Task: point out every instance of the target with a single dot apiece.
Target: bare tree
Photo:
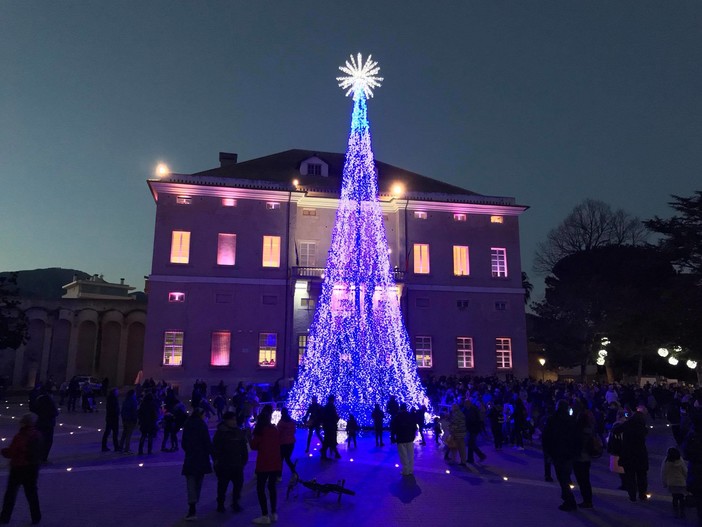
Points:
(590, 224)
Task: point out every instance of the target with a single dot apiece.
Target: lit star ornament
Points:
(360, 77)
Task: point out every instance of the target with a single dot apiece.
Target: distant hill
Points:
(45, 283)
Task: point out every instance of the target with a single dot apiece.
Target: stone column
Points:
(72, 348)
(122, 355)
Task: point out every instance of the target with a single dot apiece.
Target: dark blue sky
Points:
(549, 102)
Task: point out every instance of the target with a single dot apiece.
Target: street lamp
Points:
(673, 361)
(663, 352)
(692, 364)
(542, 361)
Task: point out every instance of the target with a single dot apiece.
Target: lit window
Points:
(184, 200)
(267, 347)
(173, 348)
(309, 212)
(420, 215)
(272, 205)
(228, 202)
(464, 352)
(422, 350)
(307, 303)
(314, 169)
(459, 217)
(503, 349)
(499, 262)
(421, 258)
(226, 249)
(461, 265)
(221, 345)
(176, 296)
(180, 247)
(307, 253)
(271, 251)
(496, 219)
(301, 347)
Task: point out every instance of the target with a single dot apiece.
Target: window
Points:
(420, 215)
(421, 258)
(461, 265)
(270, 300)
(176, 296)
(462, 304)
(180, 247)
(499, 262)
(503, 349)
(309, 212)
(271, 251)
(307, 303)
(173, 348)
(184, 200)
(267, 347)
(422, 349)
(496, 219)
(301, 347)
(460, 217)
(226, 249)
(500, 306)
(228, 202)
(307, 254)
(422, 302)
(272, 205)
(314, 169)
(221, 345)
(464, 352)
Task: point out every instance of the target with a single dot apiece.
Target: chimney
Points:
(121, 281)
(226, 159)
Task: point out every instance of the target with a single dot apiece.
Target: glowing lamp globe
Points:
(602, 353)
(162, 170)
(673, 361)
(600, 361)
(663, 352)
(692, 364)
(397, 189)
(542, 361)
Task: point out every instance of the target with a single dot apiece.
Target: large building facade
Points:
(240, 251)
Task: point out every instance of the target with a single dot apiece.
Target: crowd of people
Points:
(576, 423)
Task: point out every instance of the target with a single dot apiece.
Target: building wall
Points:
(225, 298)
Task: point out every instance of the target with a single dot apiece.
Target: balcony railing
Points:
(318, 272)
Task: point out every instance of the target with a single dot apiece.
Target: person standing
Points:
(198, 449)
(634, 455)
(73, 394)
(269, 465)
(378, 416)
(230, 454)
(692, 452)
(330, 420)
(560, 444)
(458, 434)
(674, 475)
(24, 453)
(585, 429)
(129, 420)
(352, 428)
(286, 427)
(313, 420)
(47, 411)
(148, 419)
(473, 427)
(111, 420)
(403, 429)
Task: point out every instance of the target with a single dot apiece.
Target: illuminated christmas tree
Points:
(358, 348)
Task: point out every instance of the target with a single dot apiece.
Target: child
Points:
(674, 473)
(437, 430)
(351, 431)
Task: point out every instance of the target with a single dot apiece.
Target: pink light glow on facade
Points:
(219, 351)
(226, 249)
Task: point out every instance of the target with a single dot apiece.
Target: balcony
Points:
(318, 273)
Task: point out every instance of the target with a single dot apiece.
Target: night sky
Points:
(549, 102)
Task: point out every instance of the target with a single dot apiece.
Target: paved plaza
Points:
(84, 486)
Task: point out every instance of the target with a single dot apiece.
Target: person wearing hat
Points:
(230, 453)
(24, 454)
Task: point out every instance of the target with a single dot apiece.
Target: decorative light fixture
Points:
(397, 189)
(542, 361)
(162, 170)
(692, 364)
(602, 353)
(600, 361)
(663, 352)
(672, 361)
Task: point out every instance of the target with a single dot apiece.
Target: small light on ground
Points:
(571, 486)
(60, 424)
(80, 427)
(448, 471)
(397, 466)
(648, 496)
(71, 433)
(69, 469)
(99, 429)
(310, 455)
(3, 439)
(505, 478)
(141, 464)
(351, 460)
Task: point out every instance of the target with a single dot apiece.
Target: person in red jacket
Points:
(269, 464)
(24, 453)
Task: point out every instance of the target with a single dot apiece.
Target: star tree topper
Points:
(360, 77)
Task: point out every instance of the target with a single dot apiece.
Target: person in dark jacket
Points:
(474, 426)
(634, 456)
(692, 452)
(313, 420)
(230, 454)
(129, 420)
(24, 453)
(378, 416)
(330, 420)
(111, 421)
(585, 430)
(148, 420)
(46, 411)
(403, 429)
(560, 444)
(198, 449)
